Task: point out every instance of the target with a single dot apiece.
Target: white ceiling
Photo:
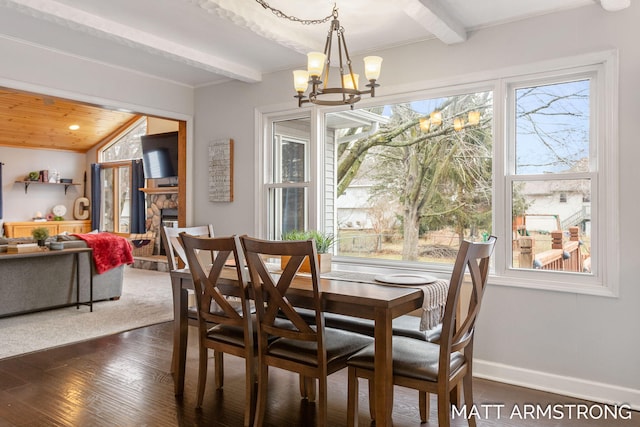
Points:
(200, 42)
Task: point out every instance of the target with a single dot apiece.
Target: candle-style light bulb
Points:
(315, 63)
(372, 66)
(300, 80)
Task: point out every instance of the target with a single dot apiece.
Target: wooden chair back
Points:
(173, 246)
(212, 292)
(270, 290)
(457, 334)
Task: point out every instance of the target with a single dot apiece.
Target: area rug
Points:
(146, 300)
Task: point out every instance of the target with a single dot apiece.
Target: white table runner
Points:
(435, 294)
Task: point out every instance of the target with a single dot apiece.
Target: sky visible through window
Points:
(552, 127)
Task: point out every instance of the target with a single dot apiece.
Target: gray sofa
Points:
(31, 284)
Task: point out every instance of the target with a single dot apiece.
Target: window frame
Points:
(275, 224)
(265, 117)
(116, 167)
(603, 152)
(602, 69)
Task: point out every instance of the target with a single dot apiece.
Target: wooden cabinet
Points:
(23, 229)
(74, 227)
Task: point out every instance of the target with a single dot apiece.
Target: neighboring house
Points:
(353, 207)
(552, 207)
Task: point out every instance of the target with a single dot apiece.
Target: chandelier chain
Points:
(281, 14)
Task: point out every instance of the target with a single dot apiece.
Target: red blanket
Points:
(109, 250)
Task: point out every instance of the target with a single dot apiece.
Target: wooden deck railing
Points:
(563, 256)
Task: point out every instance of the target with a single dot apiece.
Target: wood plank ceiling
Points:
(30, 120)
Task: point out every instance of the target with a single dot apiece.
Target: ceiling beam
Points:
(435, 19)
(78, 20)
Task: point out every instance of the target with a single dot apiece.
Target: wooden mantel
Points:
(159, 190)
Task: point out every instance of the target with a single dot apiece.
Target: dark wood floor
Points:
(124, 380)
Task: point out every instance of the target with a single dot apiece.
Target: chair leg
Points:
(372, 400)
(303, 387)
(425, 406)
(456, 396)
(308, 388)
(444, 409)
(218, 359)
(202, 374)
(321, 404)
(250, 394)
(263, 383)
(352, 398)
(467, 388)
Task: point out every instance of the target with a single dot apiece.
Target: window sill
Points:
(552, 285)
(443, 271)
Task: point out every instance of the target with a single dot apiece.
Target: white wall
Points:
(574, 344)
(18, 162)
(31, 68)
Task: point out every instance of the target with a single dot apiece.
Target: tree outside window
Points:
(419, 177)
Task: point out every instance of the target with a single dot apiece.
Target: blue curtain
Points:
(1, 191)
(138, 209)
(96, 196)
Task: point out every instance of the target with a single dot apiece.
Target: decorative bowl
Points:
(56, 246)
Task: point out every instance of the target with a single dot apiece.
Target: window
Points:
(527, 157)
(288, 181)
(126, 146)
(116, 177)
(418, 174)
(115, 204)
(551, 172)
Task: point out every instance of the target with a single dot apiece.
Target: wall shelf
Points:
(28, 183)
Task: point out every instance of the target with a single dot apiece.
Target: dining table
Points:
(377, 302)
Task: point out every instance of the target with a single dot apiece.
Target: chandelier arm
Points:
(341, 65)
(346, 54)
(327, 53)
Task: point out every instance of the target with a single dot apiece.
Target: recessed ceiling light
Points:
(74, 127)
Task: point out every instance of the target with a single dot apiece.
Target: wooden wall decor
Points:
(221, 170)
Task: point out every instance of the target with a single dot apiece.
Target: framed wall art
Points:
(221, 170)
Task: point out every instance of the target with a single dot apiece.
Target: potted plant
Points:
(40, 234)
(324, 242)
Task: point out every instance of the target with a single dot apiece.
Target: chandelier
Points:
(319, 65)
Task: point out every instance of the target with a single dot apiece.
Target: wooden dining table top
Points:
(362, 298)
(378, 302)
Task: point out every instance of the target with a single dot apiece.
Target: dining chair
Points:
(225, 304)
(309, 349)
(429, 367)
(176, 258)
(170, 237)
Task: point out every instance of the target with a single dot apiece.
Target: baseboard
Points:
(568, 386)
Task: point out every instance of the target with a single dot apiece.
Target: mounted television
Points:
(160, 155)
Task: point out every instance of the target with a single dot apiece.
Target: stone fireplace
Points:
(157, 205)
